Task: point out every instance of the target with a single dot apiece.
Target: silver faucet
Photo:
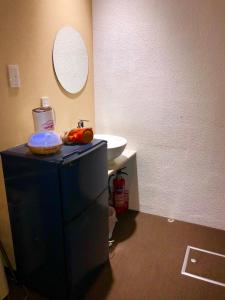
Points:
(80, 124)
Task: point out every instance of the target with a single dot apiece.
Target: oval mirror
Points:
(70, 59)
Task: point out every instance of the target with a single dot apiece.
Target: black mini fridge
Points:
(58, 207)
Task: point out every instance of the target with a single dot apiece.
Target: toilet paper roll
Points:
(4, 290)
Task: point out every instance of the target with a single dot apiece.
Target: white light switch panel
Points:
(14, 76)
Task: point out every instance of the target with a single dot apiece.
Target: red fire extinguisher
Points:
(120, 196)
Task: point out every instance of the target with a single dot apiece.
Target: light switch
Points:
(14, 76)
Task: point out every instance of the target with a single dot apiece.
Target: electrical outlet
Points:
(14, 76)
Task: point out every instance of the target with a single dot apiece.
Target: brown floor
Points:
(146, 261)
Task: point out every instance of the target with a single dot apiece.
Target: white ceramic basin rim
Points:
(115, 144)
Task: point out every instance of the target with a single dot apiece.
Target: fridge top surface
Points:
(62, 156)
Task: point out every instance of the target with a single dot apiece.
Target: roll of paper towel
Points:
(3, 282)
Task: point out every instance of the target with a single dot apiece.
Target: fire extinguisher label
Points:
(119, 200)
(120, 193)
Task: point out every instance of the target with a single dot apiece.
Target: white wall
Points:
(159, 82)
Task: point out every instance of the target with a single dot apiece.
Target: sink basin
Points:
(115, 144)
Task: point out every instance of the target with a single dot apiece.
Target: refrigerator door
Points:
(83, 180)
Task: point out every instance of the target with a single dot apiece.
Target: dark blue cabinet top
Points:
(65, 155)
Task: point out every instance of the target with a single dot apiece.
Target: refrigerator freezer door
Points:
(82, 181)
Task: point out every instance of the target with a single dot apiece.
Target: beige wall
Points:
(27, 32)
(159, 81)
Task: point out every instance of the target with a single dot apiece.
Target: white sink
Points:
(115, 144)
